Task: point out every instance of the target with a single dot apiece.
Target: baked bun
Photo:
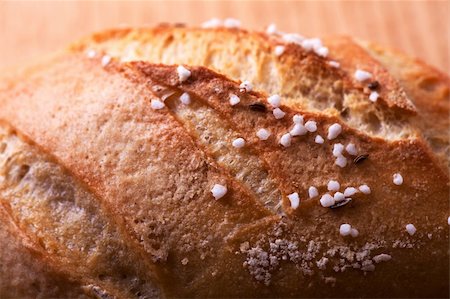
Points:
(183, 162)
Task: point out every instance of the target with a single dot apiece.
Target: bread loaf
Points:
(158, 163)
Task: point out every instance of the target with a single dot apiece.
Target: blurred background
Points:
(29, 29)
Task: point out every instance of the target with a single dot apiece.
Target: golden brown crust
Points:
(155, 174)
(393, 116)
(320, 87)
(385, 159)
(148, 173)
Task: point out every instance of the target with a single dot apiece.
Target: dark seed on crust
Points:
(344, 112)
(373, 85)
(341, 203)
(258, 107)
(360, 158)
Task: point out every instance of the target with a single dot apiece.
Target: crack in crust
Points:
(215, 135)
(303, 79)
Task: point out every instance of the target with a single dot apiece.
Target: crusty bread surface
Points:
(103, 196)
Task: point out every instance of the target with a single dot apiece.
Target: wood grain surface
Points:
(419, 28)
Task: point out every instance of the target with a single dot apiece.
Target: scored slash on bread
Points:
(154, 169)
(303, 79)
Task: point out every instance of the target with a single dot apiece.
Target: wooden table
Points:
(30, 29)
